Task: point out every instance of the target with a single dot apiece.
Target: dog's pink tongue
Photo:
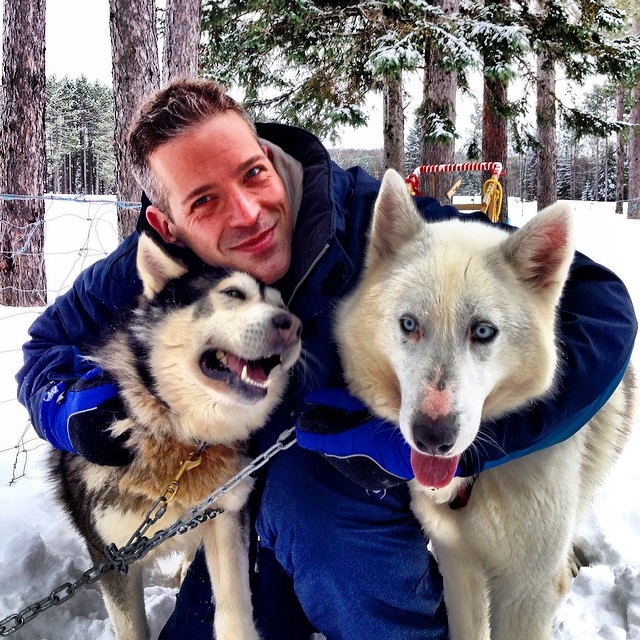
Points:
(433, 471)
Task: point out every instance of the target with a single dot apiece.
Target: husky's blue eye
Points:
(233, 292)
(408, 324)
(483, 332)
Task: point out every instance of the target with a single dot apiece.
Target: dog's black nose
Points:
(289, 326)
(435, 436)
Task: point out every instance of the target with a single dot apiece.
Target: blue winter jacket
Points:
(597, 321)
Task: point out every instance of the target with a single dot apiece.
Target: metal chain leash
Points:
(138, 545)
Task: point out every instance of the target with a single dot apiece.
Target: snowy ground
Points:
(38, 551)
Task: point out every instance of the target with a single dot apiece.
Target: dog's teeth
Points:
(244, 376)
(222, 356)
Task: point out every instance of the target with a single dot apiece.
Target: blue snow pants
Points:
(359, 563)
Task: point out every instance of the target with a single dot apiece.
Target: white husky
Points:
(454, 324)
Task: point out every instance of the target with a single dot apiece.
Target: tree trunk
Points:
(135, 72)
(494, 111)
(633, 192)
(22, 154)
(546, 191)
(619, 150)
(181, 51)
(393, 123)
(438, 96)
(494, 132)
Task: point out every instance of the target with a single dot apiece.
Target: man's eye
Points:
(254, 171)
(200, 201)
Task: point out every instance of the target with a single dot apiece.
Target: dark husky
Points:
(202, 359)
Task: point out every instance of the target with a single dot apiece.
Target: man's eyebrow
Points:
(196, 192)
(253, 160)
(242, 167)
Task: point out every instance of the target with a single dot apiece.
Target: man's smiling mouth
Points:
(256, 242)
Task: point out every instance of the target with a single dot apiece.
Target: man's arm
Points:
(50, 383)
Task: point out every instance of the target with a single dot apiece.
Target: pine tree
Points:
(136, 73)
(634, 140)
(79, 136)
(181, 39)
(312, 63)
(413, 147)
(393, 121)
(438, 107)
(564, 165)
(546, 188)
(620, 149)
(22, 159)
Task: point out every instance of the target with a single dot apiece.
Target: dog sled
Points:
(491, 203)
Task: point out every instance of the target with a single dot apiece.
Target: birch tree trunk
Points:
(22, 154)
(136, 73)
(180, 55)
(393, 123)
(546, 190)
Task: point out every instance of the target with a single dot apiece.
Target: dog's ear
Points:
(542, 250)
(155, 266)
(396, 219)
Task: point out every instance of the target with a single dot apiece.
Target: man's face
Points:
(227, 202)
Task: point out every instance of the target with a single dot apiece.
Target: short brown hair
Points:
(165, 115)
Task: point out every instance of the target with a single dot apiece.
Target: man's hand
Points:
(368, 450)
(81, 415)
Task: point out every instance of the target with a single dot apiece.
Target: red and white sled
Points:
(491, 189)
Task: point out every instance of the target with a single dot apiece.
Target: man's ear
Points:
(268, 152)
(160, 223)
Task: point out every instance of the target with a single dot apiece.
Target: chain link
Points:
(138, 545)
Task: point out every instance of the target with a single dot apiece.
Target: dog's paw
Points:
(577, 559)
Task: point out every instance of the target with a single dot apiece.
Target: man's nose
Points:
(244, 208)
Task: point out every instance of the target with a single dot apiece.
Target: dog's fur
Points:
(166, 360)
(453, 324)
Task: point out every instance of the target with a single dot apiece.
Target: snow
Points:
(38, 550)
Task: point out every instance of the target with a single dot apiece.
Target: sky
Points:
(77, 39)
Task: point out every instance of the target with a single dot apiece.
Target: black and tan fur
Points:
(178, 362)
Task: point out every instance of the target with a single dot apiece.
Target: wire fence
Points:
(77, 231)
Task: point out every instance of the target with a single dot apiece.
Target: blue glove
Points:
(368, 450)
(77, 419)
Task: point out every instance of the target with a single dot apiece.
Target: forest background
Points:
(316, 64)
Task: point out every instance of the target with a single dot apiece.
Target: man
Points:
(277, 207)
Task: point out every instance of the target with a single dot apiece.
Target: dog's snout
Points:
(435, 436)
(289, 326)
